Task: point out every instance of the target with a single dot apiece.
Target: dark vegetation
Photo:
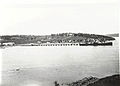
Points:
(108, 81)
(93, 81)
(84, 82)
(55, 38)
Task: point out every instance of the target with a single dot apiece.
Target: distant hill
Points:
(56, 38)
(113, 35)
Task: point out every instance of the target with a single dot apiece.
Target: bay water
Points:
(42, 65)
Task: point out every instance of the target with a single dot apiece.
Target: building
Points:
(8, 44)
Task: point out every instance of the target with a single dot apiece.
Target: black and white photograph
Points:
(59, 43)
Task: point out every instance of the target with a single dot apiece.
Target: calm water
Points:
(41, 66)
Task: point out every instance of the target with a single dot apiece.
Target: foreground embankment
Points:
(113, 80)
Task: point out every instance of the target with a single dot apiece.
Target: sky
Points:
(40, 17)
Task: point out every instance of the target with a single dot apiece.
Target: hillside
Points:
(113, 35)
(55, 38)
(107, 81)
(113, 80)
(84, 82)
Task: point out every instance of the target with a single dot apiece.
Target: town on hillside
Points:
(61, 39)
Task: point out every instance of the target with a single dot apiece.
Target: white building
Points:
(9, 43)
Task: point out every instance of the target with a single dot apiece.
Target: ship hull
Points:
(98, 44)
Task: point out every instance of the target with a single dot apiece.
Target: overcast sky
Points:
(38, 17)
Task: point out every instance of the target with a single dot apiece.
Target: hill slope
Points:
(107, 81)
(113, 35)
(113, 80)
(56, 38)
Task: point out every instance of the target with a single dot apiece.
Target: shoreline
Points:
(59, 44)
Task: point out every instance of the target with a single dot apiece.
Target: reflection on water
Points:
(30, 83)
(41, 66)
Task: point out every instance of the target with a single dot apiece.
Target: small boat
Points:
(17, 69)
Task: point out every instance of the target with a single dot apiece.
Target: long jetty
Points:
(59, 44)
(71, 44)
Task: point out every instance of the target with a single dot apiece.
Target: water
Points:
(42, 65)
